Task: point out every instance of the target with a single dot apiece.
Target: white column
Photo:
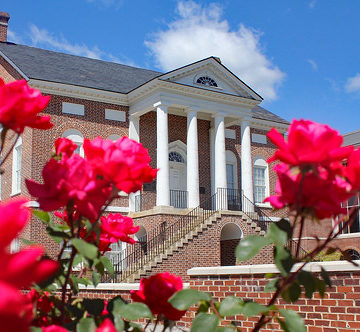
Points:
(212, 159)
(134, 133)
(162, 156)
(220, 162)
(192, 160)
(246, 163)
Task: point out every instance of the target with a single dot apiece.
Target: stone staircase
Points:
(172, 249)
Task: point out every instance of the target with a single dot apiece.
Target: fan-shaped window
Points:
(206, 80)
(176, 156)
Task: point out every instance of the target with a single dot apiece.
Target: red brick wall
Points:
(338, 311)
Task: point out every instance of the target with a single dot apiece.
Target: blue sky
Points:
(302, 56)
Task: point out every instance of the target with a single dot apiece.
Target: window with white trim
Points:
(261, 180)
(352, 203)
(75, 136)
(16, 167)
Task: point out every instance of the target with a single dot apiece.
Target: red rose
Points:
(155, 292)
(54, 328)
(64, 147)
(124, 162)
(118, 227)
(318, 193)
(70, 179)
(308, 143)
(20, 105)
(106, 326)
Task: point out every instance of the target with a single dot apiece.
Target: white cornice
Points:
(74, 91)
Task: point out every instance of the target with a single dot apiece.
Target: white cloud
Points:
(201, 32)
(41, 37)
(312, 4)
(353, 84)
(313, 64)
(14, 37)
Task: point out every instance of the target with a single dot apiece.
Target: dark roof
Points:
(64, 68)
(263, 114)
(58, 67)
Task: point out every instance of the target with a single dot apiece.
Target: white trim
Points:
(14, 66)
(349, 235)
(68, 90)
(77, 137)
(259, 138)
(15, 160)
(118, 286)
(117, 209)
(333, 266)
(260, 162)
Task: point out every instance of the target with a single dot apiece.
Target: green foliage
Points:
(86, 325)
(205, 322)
(250, 246)
(293, 321)
(88, 250)
(184, 299)
(231, 306)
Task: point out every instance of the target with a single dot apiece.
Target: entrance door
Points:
(178, 193)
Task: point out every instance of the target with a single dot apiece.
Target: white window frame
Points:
(16, 168)
(260, 162)
(231, 160)
(75, 136)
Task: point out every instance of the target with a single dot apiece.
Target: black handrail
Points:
(162, 238)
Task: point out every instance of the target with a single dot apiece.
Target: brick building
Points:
(204, 129)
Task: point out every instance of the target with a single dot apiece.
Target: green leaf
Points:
(135, 327)
(42, 215)
(293, 321)
(119, 324)
(277, 236)
(94, 306)
(320, 286)
(307, 280)
(95, 278)
(271, 285)
(86, 325)
(99, 266)
(185, 298)
(225, 329)
(133, 311)
(88, 250)
(292, 293)
(285, 226)
(205, 322)
(35, 329)
(325, 277)
(203, 306)
(253, 309)
(250, 246)
(57, 236)
(231, 306)
(283, 260)
(108, 265)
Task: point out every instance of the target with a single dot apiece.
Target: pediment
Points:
(209, 74)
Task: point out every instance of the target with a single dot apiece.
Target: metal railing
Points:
(160, 239)
(179, 199)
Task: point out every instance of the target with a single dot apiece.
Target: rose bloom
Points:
(308, 143)
(106, 326)
(124, 162)
(155, 292)
(70, 179)
(19, 270)
(64, 147)
(118, 227)
(20, 105)
(318, 194)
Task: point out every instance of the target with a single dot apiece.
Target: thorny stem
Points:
(302, 222)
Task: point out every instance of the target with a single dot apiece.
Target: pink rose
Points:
(309, 143)
(124, 162)
(155, 292)
(20, 105)
(118, 227)
(54, 328)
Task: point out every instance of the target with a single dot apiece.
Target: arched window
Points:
(206, 80)
(261, 180)
(16, 167)
(176, 157)
(114, 137)
(77, 138)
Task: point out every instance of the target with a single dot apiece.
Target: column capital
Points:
(161, 104)
(192, 108)
(219, 114)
